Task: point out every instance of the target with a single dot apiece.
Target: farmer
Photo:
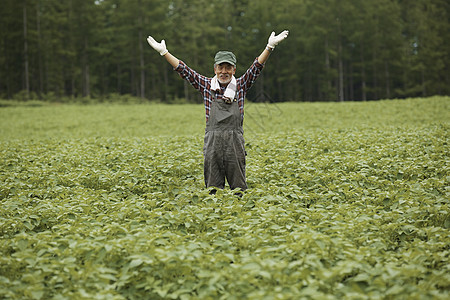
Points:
(223, 96)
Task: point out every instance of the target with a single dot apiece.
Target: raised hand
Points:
(160, 47)
(276, 39)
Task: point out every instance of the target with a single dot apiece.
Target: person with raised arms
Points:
(223, 96)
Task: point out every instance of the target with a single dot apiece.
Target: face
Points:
(224, 71)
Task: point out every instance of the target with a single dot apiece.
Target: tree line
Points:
(337, 50)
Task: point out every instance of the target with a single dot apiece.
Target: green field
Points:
(345, 201)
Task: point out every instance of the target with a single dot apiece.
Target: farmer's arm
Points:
(272, 42)
(198, 81)
(262, 58)
(172, 59)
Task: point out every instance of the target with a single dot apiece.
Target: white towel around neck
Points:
(230, 92)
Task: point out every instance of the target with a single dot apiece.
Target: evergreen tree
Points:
(337, 50)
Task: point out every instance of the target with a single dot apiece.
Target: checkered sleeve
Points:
(199, 82)
(245, 82)
(249, 77)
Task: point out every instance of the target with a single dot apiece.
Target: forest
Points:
(337, 50)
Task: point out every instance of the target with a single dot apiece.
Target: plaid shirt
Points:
(203, 84)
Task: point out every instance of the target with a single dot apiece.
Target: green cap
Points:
(225, 56)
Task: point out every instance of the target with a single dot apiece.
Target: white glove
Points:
(275, 39)
(160, 47)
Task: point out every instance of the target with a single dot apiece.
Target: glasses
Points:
(225, 67)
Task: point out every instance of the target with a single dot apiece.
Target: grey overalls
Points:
(223, 151)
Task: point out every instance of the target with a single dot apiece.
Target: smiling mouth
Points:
(224, 78)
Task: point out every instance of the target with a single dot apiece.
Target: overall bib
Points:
(223, 151)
